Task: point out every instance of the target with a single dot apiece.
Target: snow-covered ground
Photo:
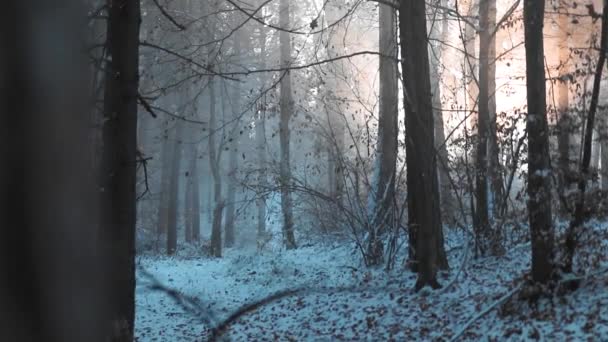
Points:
(340, 300)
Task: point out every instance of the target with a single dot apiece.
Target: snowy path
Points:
(382, 307)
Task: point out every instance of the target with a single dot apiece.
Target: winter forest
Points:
(310, 170)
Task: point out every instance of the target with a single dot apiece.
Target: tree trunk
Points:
(51, 275)
(564, 121)
(442, 191)
(383, 188)
(214, 162)
(603, 136)
(163, 203)
(421, 172)
(494, 165)
(233, 156)
(580, 213)
(539, 163)
(174, 189)
(286, 104)
(481, 220)
(260, 140)
(470, 65)
(196, 199)
(118, 174)
(188, 198)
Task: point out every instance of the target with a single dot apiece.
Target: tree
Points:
(383, 187)
(494, 165)
(439, 35)
(564, 120)
(174, 189)
(260, 141)
(286, 108)
(580, 214)
(51, 273)
(234, 149)
(118, 166)
(539, 163)
(441, 188)
(481, 219)
(421, 165)
(163, 203)
(214, 162)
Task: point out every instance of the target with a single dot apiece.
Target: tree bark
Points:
(233, 156)
(163, 204)
(51, 287)
(441, 188)
(383, 187)
(214, 162)
(286, 104)
(580, 213)
(481, 220)
(494, 165)
(260, 140)
(118, 169)
(564, 121)
(470, 66)
(539, 164)
(174, 189)
(448, 203)
(196, 199)
(420, 156)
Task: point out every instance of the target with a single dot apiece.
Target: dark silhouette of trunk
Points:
(421, 166)
(286, 104)
(539, 163)
(51, 276)
(383, 187)
(580, 212)
(214, 163)
(118, 168)
(174, 189)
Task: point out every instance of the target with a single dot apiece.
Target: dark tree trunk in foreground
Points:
(580, 214)
(50, 288)
(383, 187)
(421, 166)
(118, 169)
(286, 105)
(539, 163)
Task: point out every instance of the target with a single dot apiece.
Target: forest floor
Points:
(338, 299)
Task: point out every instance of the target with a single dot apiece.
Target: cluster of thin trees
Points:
(76, 177)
